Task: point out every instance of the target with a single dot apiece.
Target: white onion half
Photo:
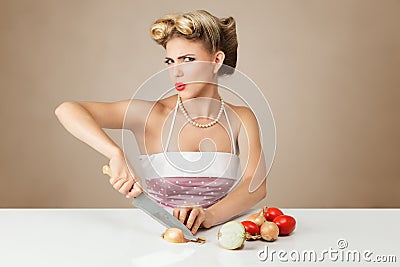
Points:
(232, 235)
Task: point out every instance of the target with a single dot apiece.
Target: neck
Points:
(206, 104)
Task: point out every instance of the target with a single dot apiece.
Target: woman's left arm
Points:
(240, 199)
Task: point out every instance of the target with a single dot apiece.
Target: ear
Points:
(219, 58)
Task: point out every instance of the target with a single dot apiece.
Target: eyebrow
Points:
(181, 56)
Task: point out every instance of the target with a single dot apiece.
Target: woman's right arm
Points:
(86, 120)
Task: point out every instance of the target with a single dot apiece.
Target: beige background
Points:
(330, 70)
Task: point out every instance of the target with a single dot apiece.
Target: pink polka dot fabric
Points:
(176, 187)
(188, 191)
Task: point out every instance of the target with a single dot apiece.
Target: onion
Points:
(257, 218)
(269, 231)
(174, 235)
(232, 235)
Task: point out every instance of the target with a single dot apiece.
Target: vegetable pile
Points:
(267, 224)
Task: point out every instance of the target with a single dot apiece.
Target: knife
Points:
(158, 213)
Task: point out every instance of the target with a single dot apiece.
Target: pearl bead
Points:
(200, 125)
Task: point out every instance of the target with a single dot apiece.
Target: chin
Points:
(186, 94)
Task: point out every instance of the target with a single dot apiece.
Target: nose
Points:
(177, 71)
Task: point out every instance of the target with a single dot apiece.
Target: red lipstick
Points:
(180, 86)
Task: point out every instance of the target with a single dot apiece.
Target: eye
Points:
(168, 61)
(188, 59)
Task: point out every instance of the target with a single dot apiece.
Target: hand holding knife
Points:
(143, 202)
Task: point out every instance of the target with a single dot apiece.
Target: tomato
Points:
(285, 223)
(251, 227)
(271, 213)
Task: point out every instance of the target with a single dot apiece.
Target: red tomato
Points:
(271, 213)
(285, 223)
(251, 227)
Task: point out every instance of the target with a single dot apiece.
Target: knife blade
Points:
(157, 212)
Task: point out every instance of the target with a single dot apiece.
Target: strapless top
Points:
(188, 178)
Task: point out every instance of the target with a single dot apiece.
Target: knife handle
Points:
(107, 170)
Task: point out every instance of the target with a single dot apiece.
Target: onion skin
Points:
(232, 235)
(174, 235)
(257, 218)
(252, 217)
(269, 231)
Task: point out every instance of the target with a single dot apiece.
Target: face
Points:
(191, 66)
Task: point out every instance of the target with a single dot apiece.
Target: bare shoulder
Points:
(155, 108)
(248, 123)
(240, 110)
(140, 113)
(244, 113)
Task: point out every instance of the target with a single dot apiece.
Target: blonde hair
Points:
(217, 34)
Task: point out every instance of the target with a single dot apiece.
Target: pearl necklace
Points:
(201, 125)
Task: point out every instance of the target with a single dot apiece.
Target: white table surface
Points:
(129, 237)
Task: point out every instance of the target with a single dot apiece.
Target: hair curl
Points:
(217, 34)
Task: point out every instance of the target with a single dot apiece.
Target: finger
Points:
(135, 191)
(176, 213)
(126, 186)
(182, 215)
(192, 217)
(113, 180)
(199, 220)
(117, 185)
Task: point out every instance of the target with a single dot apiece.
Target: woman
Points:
(198, 46)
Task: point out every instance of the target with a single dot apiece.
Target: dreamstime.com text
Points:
(341, 254)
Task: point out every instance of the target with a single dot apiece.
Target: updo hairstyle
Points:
(216, 34)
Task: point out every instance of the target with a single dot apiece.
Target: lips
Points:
(180, 86)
